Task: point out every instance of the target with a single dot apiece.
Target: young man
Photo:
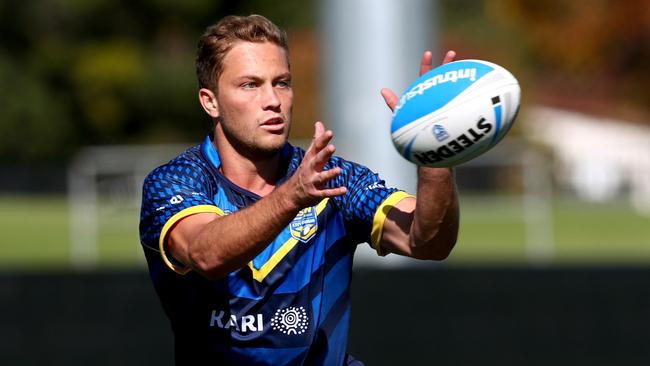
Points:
(250, 240)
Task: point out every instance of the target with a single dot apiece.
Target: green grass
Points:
(601, 232)
(493, 232)
(35, 233)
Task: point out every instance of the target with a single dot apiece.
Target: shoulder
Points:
(184, 181)
(350, 170)
(189, 163)
(348, 166)
(189, 168)
(337, 161)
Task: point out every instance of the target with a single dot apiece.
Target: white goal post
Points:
(127, 166)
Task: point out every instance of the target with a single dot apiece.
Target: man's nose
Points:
(271, 99)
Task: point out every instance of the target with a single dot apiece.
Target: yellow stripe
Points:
(260, 274)
(173, 220)
(380, 217)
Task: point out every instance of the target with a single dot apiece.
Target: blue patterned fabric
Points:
(282, 309)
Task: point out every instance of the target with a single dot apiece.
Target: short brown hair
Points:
(219, 38)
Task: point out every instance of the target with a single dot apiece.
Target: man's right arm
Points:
(215, 245)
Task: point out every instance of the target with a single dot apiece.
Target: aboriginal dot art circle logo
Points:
(291, 320)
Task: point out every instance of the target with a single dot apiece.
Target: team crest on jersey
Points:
(304, 225)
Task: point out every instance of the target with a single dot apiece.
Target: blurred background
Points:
(553, 259)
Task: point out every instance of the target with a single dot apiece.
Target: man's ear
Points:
(209, 103)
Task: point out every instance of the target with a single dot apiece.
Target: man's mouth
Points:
(275, 124)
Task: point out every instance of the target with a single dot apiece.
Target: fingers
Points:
(321, 141)
(327, 175)
(323, 156)
(449, 57)
(320, 150)
(390, 98)
(319, 129)
(427, 62)
(333, 192)
(324, 177)
(320, 181)
(310, 178)
(321, 138)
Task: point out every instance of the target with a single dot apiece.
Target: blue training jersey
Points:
(291, 304)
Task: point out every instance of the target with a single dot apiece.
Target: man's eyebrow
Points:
(249, 77)
(286, 75)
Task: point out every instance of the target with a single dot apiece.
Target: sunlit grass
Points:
(35, 233)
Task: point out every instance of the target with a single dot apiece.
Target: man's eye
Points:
(283, 84)
(249, 85)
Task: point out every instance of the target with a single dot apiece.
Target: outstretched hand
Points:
(426, 64)
(309, 181)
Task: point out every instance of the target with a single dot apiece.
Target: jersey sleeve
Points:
(170, 193)
(367, 202)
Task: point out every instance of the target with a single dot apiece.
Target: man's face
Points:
(255, 98)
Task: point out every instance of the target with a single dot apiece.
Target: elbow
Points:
(442, 244)
(437, 250)
(436, 244)
(435, 254)
(208, 266)
(212, 274)
(440, 255)
(444, 248)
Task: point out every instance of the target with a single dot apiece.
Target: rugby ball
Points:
(455, 113)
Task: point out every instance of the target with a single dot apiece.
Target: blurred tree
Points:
(590, 54)
(86, 72)
(34, 120)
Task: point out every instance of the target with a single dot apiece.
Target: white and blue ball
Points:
(455, 113)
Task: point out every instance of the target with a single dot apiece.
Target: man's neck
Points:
(257, 175)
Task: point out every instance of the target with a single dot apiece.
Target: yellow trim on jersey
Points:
(380, 217)
(173, 220)
(260, 274)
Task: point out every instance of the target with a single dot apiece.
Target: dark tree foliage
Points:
(88, 72)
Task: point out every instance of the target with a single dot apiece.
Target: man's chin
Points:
(269, 147)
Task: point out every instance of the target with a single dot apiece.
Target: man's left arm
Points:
(425, 227)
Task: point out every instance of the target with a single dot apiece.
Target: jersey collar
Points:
(210, 152)
(213, 157)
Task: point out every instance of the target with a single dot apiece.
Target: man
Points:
(250, 240)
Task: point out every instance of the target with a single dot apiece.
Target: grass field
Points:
(35, 233)
(583, 233)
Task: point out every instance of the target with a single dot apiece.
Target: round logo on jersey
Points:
(291, 320)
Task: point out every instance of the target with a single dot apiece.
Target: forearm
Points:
(217, 245)
(434, 229)
(231, 241)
